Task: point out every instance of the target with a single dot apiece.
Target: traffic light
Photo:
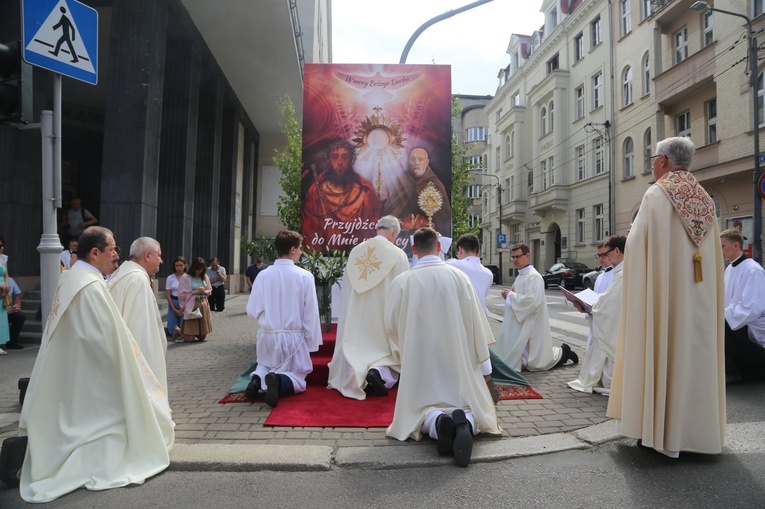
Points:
(15, 85)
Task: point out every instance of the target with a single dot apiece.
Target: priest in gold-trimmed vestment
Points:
(131, 289)
(94, 413)
(668, 388)
(364, 353)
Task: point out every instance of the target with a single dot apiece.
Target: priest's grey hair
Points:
(679, 151)
(141, 246)
(389, 223)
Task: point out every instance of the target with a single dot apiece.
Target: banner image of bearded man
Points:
(340, 205)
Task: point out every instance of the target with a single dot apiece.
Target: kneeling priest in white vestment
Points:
(598, 365)
(435, 316)
(524, 340)
(94, 414)
(364, 356)
(283, 302)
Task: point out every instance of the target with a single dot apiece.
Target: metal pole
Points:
(50, 247)
(57, 140)
(757, 213)
(499, 202)
(433, 21)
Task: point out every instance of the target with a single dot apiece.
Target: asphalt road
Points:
(613, 475)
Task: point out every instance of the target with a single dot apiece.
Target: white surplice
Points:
(601, 285)
(131, 290)
(95, 414)
(524, 339)
(604, 326)
(481, 277)
(668, 386)
(362, 342)
(283, 302)
(745, 298)
(434, 314)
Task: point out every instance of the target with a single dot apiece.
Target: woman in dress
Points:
(174, 309)
(193, 291)
(5, 289)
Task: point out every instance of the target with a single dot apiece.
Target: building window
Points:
(552, 64)
(516, 61)
(508, 148)
(645, 9)
(543, 121)
(552, 117)
(517, 99)
(709, 26)
(543, 165)
(629, 158)
(578, 47)
(625, 17)
(580, 226)
(683, 124)
(512, 188)
(516, 231)
(475, 162)
(597, 91)
(598, 151)
(499, 114)
(595, 31)
(553, 19)
(551, 169)
(646, 74)
(712, 120)
(579, 102)
(597, 212)
(530, 178)
(759, 8)
(647, 149)
(627, 86)
(581, 169)
(681, 45)
(497, 159)
(477, 134)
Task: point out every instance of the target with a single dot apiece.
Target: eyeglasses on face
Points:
(601, 255)
(515, 257)
(606, 253)
(657, 155)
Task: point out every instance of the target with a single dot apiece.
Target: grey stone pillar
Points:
(178, 152)
(133, 118)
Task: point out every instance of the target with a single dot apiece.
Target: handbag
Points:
(195, 314)
(7, 302)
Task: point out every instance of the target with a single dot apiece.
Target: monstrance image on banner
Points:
(376, 141)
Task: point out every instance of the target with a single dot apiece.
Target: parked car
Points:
(588, 280)
(567, 274)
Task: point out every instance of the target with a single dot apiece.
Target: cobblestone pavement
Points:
(199, 374)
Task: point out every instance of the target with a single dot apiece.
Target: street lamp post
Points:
(499, 205)
(757, 240)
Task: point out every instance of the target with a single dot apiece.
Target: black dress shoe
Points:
(445, 432)
(463, 439)
(729, 379)
(253, 388)
(272, 389)
(375, 383)
(13, 345)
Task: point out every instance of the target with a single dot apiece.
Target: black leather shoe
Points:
(375, 383)
(729, 379)
(253, 388)
(445, 432)
(272, 389)
(13, 345)
(463, 439)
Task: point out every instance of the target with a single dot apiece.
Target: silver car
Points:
(588, 280)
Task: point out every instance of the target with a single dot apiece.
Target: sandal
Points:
(177, 334)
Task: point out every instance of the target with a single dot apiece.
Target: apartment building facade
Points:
(683, 72)
(550, 144)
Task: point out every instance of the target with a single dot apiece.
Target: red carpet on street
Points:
(322, 407)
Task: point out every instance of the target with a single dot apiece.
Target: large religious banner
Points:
(376, 141)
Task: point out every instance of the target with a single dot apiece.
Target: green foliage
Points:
(289, 162)
(460, 180)
(326, 269)
(261, 247)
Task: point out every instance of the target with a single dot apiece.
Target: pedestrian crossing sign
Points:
(61, 36)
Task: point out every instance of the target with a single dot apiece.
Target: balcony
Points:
(674, 84)
(514, 211)
(549, 200)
